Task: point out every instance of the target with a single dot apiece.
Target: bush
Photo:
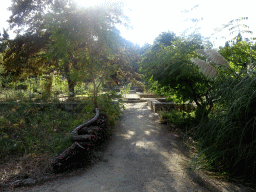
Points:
(125, 90)
(180, 119)
(228, 140)
(107, 106)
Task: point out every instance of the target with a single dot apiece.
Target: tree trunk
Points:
(95, 90)
(95, 94)
(71, 84)
(71, 88)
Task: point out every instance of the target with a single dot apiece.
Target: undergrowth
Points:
(181, 119)
(26, 128)
(228, 140)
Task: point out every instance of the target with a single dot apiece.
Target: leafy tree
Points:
(171, 67)
(126, 59)
(81, 42)
(239, 38)
(165, 38)
(239, 55)
(227, 140)
(28, 15)
(132, 51)
(5, 35)
(25, 55)
(227, 44)
(5, 77)
(3, 39)
(145, 48)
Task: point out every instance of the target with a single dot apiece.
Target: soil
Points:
(143, 155)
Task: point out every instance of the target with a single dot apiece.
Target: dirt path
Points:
(143, 156)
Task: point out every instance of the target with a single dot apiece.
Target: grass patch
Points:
(29, 128)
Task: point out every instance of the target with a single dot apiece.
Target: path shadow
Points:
(165, 142)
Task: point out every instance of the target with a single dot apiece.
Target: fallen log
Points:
(89, 135)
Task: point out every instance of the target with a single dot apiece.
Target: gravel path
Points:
(142, 156)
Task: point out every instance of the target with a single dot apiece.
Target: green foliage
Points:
(23, 130)
(80, 42)
(153, 86)
(3, 39)
(90, 87)
(227, 140)
(24, 123)
(85, 42)
(35, 88)
(165, 38)
(59, 85)
(46, 87)
(224, 121)
(25, 56)
(80, 89)
(112, 109)
(170, 70)
(8, 145)
(181, 119)
(125, 90)
(5, 77)
(173, 98)
(239, 55)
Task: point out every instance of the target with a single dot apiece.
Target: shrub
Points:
(228, 140)
(180, 119)
(108, 106)
(125, 89)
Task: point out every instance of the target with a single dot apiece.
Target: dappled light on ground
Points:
(144, 155)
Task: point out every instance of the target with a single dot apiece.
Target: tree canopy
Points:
(239, 55)
(83, 44)
(3, 38)
(175, 73)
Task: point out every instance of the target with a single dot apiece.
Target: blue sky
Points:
(150, 18)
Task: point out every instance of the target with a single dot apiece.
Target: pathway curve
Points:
(142, 156)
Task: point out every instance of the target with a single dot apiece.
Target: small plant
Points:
(125, 90)
(112, 109)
